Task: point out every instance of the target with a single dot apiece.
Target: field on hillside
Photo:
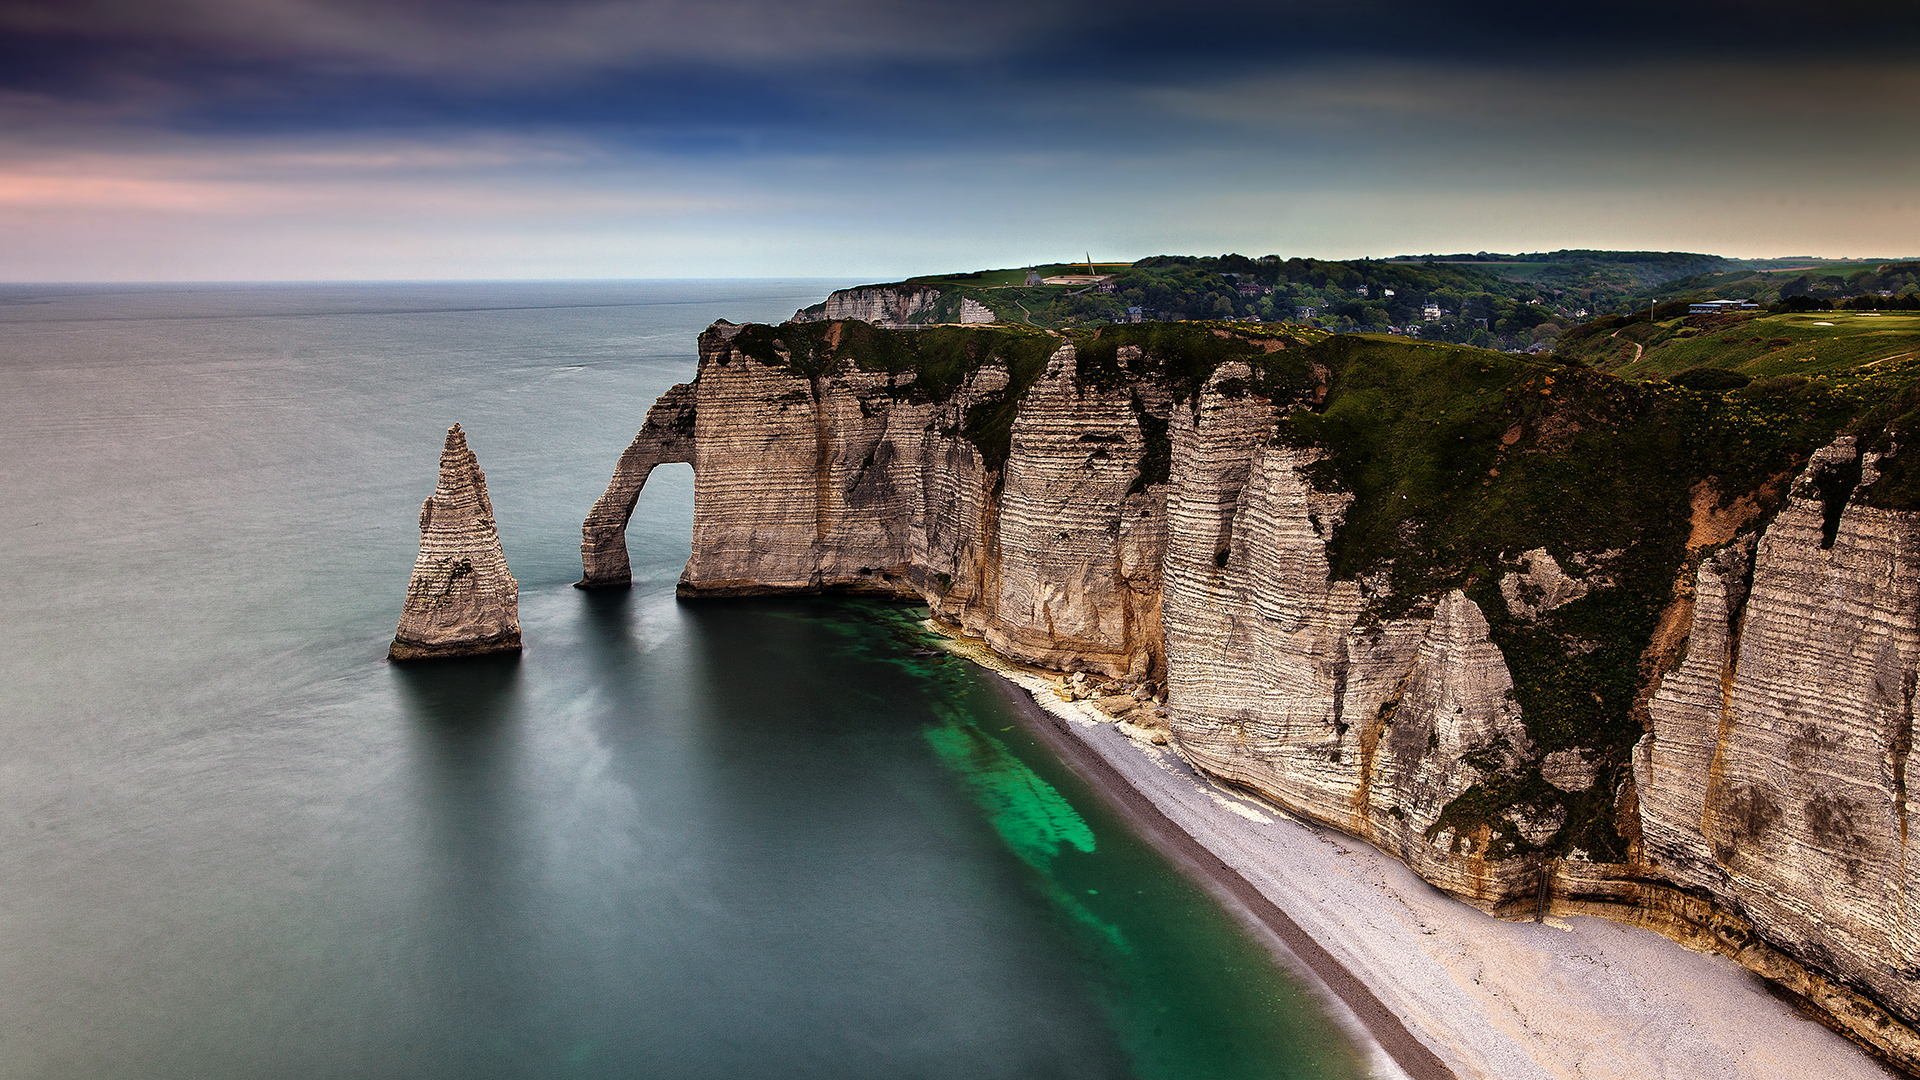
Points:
(1821, 343)
(1812, 343)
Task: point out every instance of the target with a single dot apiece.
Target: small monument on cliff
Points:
(462, 599)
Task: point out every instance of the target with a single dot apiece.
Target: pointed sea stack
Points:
(462, 599)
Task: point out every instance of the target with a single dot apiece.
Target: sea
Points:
(725, 840)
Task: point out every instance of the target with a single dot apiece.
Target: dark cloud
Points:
(483, 43)
(711, 73)
(1157, 124)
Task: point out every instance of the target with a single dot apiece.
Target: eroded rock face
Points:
(1080, 542)
(462, 600)
(1539, 586)
(1766, 814)
(891, 306)
(1277, 682)
(1774, 775)
(667, 436)
(897, 307)
(973, 312)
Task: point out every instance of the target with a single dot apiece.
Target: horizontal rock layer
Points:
(1152, 526)
(461, 600)
(1773, 779)
(897, 307)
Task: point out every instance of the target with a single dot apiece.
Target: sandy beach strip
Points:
(1430, 987)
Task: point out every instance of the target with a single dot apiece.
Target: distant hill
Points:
(1515, 302)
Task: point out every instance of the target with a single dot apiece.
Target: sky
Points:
(409, 139)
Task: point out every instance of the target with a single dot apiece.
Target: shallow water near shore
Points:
(747, 839)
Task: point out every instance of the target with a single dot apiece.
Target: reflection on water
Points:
(462, 718)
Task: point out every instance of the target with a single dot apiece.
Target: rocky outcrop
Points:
(462, 600)
(667, 436)
(1158, 527)
(898, 307)
(1539, 586)
(891, 306)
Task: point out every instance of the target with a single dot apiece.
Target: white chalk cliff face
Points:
(1774, 777)
(462, 600)
(1173, 546)
(1277, 681)
(897, 307)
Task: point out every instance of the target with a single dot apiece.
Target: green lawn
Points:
(1810, 343)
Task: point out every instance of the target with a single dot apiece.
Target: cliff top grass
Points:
(1459, 461)
(939, 359)
(1830, 344)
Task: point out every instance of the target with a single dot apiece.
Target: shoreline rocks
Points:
(461, 600)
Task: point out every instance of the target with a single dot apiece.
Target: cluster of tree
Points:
(1513, 302)
(1906, 301)
(1892, 278)
(1778, 285)
(1477, 305)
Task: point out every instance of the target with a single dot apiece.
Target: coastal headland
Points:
(1559, 641)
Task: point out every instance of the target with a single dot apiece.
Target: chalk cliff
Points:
(1773, 778)
(897, 307)
(666, 436)
(462, 600)
(1554, 640)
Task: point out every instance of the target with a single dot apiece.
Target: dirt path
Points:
(1639, 350)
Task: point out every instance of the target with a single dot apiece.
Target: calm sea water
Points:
(739, 840)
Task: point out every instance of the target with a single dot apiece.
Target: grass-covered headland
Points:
(1461, 459)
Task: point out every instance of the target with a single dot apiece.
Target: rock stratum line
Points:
(461, 600)
(1558, 643)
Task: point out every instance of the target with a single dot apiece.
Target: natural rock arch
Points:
(667, 436)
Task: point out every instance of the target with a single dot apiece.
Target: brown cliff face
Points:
(1153, 519)
(462, 600)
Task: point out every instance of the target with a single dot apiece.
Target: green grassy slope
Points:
(1836, 344)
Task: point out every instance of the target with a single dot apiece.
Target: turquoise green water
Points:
(1135, 924)
(673, 841)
